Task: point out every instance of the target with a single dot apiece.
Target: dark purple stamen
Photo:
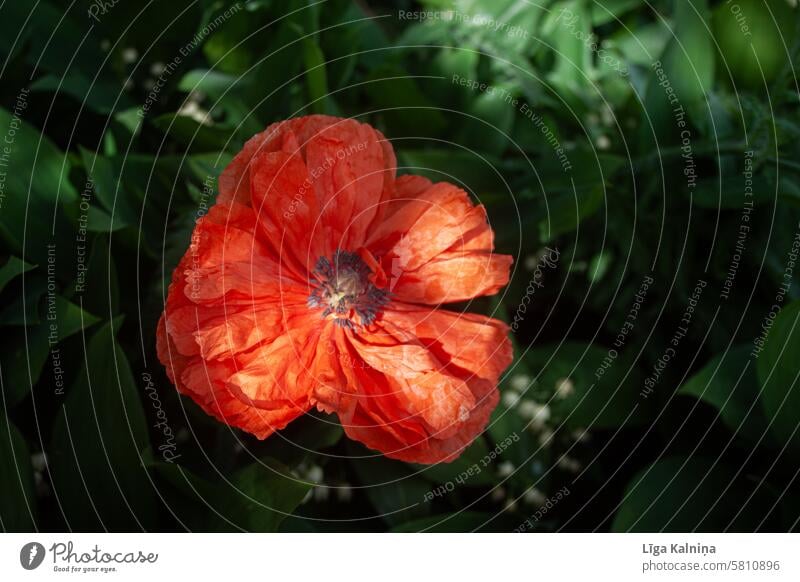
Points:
(343, 284)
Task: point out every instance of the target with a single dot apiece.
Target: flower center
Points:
(343, 288)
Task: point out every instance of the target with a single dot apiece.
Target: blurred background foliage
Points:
(120, 116)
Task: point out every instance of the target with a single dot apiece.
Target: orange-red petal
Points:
(438, 245)
(424, 382)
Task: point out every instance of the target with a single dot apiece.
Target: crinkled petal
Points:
(454, 276)
(228, 298)
(437, 246)
(205, 382)
(279, 371)
(332, 170)
(227, 258)
(424, 382)
(472, 345)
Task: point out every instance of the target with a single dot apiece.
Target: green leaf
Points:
(490, 129)
(257, 498)
(14, 19)
(778, 370)
(256, 42)
(566, 211)
(605, 11)
(98, 439)
(35, 188)
(566, 198)
(26, 298)
(454, 63)
(395, 492)
(599, 265)
(210, 82)
(726, 190)
(53, 39)
(729, 384)
(783, 182)
(100, 95)
(206, 168)
(261, 496)
(686, 73)
(100, 291)
(17, 503)
(603, 389)
(65, 318)
(316, 77)
(196, 136)
(13, 268)
(473, 173)
(689, 57)
(26, 351)
(109, 190)
(303, 438)
(569, 25)
(129, 121)
(515, 28)
(753, 40)
(228, 51)
(98, 220)
(638, 45)
(450, 472)
(675, 497)
(406, 110)
(192, 500)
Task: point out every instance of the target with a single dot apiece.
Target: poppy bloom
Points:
(315, 281)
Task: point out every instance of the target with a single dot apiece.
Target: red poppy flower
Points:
(314, 281)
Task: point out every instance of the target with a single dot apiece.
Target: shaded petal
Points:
(423, 388)
(330, 381)
(205, 382)
(424, 382)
